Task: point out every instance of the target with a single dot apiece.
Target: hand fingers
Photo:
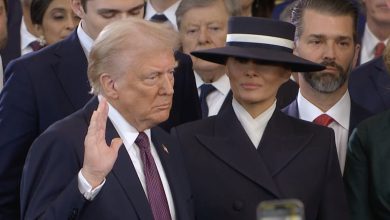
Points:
(116, 143)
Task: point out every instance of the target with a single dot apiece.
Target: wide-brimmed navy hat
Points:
(259, 39)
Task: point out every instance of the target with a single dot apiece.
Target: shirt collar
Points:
(170, 13)
(25, 35)
(309, 112)
(85, 40)
(254, 127)
(125, 130)
(370, 41)
(222, 84)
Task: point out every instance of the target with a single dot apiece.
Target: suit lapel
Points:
(123, 169)
(281, 143)
(165, 149)
(232, 145)
(71, 70)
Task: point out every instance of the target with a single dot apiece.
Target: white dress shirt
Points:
(216, 98)
(129, 134)
(170, 13)
(254, 127)
(340, 112)
(369, 43)
(85, 40)
(25, 39)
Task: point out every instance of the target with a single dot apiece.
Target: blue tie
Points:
(205, 90)
(159, 18)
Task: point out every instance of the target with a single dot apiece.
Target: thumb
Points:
(116, 143)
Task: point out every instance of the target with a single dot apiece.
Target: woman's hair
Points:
(38, 9)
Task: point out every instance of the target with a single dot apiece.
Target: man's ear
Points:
(356, 55)
(108, 86)
(77, 8)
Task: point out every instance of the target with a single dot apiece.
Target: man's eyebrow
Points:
(140, 6)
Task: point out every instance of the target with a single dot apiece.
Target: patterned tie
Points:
(35, 45)
(379, 48)
(159, 18)
(155, 190)
(205, 90)
(323, 120)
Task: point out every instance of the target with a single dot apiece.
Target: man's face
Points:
(254, 85)
(145, 90)
(3, 25)
(99, 13)
(204, 28)
(327, 39)
(377, 11)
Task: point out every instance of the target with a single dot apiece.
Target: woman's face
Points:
(58, 21)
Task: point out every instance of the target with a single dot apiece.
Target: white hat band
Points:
(260, 39)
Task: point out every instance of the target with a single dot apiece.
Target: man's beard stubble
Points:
(325, 82)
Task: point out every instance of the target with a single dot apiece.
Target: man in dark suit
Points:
(251, 152)
(46, 86)
(326, 33)
(21, 31)
(366, 181)
(71, 173)
(369, 84)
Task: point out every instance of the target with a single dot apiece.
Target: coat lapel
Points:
(71, 70)
(231, 144)
(281, 143)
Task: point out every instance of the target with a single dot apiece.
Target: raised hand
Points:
(99, 158)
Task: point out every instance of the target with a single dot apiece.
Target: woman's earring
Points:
(42, 41)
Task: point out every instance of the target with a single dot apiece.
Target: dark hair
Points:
(332, 7)
(84, 4)
(262, 8)
(5, 6)
(38, 9)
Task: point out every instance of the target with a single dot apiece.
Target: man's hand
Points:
(99, 158)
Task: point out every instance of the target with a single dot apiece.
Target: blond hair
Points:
(133, 37)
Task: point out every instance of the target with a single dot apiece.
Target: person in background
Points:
(162, 11)
(326, 33)
(202, 24)
(251, 151)
(376, 30)
(21, 32)
(71, 172)
(53, 20)
(366, 180)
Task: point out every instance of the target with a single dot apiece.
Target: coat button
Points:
(238, 205)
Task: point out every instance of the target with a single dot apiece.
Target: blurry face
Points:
(377, 11)
(327, 39)
(204, 28)
(145, 92)
(246, 7)
(254, 85)
(100, 13)
(58, 21)
(3, 25)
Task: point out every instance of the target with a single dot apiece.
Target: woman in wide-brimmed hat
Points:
(252, 152)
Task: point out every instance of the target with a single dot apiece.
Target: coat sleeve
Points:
(356, 177)
(18, 129)
(49, 188)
